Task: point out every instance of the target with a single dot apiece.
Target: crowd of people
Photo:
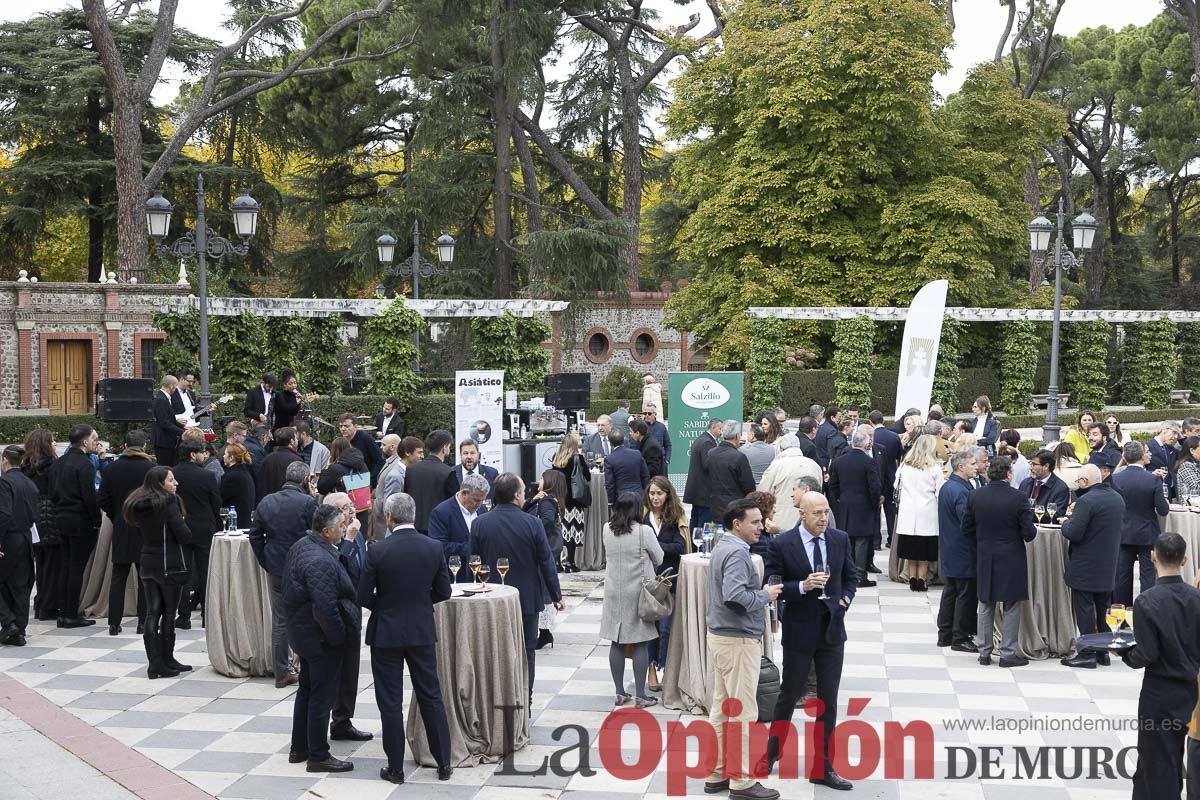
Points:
(382, 520)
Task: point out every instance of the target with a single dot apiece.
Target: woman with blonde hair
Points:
(574, 467)
(918, 482)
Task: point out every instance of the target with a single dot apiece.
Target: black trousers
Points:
(1123, 588)
(1193, 769)
(116, 594)
(889, 516)
(347, 691)
(862, 551)
(319, 678)
(162, 599)
(827, 659)
(166, 456)
(1089, 610)
(16, 581)
(530, 623)
(1164, 709)
(957, 618)
(387, 667)
(198, 552)
(49, 562)
(78, 547)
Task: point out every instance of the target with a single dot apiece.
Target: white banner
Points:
(918, 353)
(479, 413)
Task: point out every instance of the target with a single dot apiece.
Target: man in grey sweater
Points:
(736, 618)
(758, 452)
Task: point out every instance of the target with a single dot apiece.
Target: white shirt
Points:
(387, 423)
(980, 423)
(468, 516)
(266, 401)
(408, 526)
(812, 541)
(187, 402)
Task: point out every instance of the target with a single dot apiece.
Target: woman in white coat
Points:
(918, 482)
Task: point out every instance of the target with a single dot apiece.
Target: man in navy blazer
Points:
(468, 464)
(1044, 487)
(508, 532)
(824, 431)
(352, 553)
(624, 468)
(451, 520)
(957, 619)
(887, 453)
(814, 629)
(404, 577)
(855, 486)
(1144, 504)
(1163, 453)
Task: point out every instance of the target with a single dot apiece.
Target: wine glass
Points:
(1051, 511)
(224, 518)
(455, 564)
(487, 505)
(502, 568)
(698, 538)
(484, 573)
(473, 563)
(1040, 511)
(1114, 617)
(1032, 503)
(824, 572)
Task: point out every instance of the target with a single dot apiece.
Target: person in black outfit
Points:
(1168, 647)
(1044, 486)
(365, 443)
(18, 515)
(624, 468)
(286, 401)
(695, 491)
(728, 472)
(167, 429)
(122, 478)
(806, 429)
(201, 497)
(431, 480)
(344, 459)
(404, 577)
(274, 466)
(886, 449)
(389, 421)
(855, 489)
(256, 446)
(825, 431)
(260, 401)
(1145, 502)
(319, 606)
(49, 555)
(156, 511)
(237, 484)
(73, 492)
(652, 451)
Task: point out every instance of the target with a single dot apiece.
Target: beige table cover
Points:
(898, 571)
(1047, 619)
(687, 681)
(481, 667)
(238, 616)
(593, 532)
(93, 598)
(1187, 525)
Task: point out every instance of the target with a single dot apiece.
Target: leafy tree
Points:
(945, 374)
(1018, 364)
(178, 352)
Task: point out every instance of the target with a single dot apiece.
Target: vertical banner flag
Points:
(693, 399)
(918, 353)
(479, 413)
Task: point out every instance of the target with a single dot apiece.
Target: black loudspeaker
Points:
(569, 391)
(125, 400)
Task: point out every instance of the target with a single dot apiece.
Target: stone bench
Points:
(1040, 402)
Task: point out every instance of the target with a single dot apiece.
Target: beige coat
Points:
(780, 477)
(652, 393)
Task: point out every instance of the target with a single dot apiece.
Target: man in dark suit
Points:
(258, 401)
(1044, 487)
(201, 496)
(728, 472)
(451, 521)
(887, 453)
(855, 488)
(1163, 453)
(1094, 533)
(597, 442)
(651, 450)
(272, 472)
(1100, 443)
(167, 430)
(18, 515)
(806, 430)
(508, 532)
(117, 482)
(695, 491)
(624, 468)
(468, 464)
(1000, 521)
(431, 480)
(73, 492)
(827, 429)
(352, 553)
(1145, 502)
(404, 577)
(819, 583)
(389, 420)
(957, 613)
(364, 443)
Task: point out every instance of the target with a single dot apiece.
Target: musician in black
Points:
(287, 401)
(258, 401)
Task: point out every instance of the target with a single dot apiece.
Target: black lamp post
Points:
(200, 244)
(415, 268)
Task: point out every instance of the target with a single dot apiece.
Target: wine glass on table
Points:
(1051, 511)
(224, 518)
(473, 564)
(1114, 617)
(502, 568)
(698, 538)
(1039, 511)
(484, 573)
(455, 564)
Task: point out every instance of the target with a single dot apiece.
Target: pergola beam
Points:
(969, 314)
(322, 307)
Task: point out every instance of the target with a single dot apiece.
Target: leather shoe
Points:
(114, 630)
(874, 569)
(944, 642)
(1103, 660)
(866, 584)
(296, 758)
(184, 623)
(755, 792)
(833, 781)
(391, 775)
(985, 661)
(965, 647)
(9, 634)
(162, 672)
(716, 788)
(18, 640)
(330, 764)
(287, 680)
(75, 622)
(444, 773)
(350, 734)
(178, 667)
(141, 629)
(1014, 661)
(1080, 660)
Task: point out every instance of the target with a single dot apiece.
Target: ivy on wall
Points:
(853, 356)
(766, 363)
(1156, 360)
(513, 344)
(1189, 356)
(177, 353)
(391, 351)
(236, 347)
(946, 374)
(319, 354)
(1085, 362)
(1018, 364)
(283, 339)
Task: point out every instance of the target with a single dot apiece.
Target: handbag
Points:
(581, 487)
(654, 600)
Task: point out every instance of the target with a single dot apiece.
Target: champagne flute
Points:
(1114, 617)
(455, 564)
(824, 572)
(1051, 511)
(473, 563)
(698, 538)
(484, 573)
(1032, 503)
(1040, 511)
(502, 568)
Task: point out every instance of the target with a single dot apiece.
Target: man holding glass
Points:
(819, 582)
(1145, 501)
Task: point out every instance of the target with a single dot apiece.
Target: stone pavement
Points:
(34, 768)
(229, 737)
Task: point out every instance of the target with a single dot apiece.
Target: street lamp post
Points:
(1083, 231)
(201, 244)
(415, 268)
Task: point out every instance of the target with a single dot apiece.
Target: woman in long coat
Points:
(917, 484)
(121, 479)
(632, 552)
(48, 557)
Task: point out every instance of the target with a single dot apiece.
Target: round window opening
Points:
(643, 345)
(598, 345)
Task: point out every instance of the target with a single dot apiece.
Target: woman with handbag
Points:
(665, 516)
(577, 476)
(632, 552)
(49, 560)
(545, 506)
(157, 512)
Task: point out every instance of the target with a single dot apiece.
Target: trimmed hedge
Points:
(803, 388)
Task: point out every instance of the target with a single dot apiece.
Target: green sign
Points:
(695, 399)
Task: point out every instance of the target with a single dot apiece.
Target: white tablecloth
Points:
(238, 614)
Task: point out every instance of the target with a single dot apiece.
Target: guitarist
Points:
(183, 402)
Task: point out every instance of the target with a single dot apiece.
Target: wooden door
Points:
(68, 368)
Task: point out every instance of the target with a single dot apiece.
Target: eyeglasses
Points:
(345, 509)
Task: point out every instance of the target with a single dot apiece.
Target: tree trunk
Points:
(95, 197)
(533, 195)
(631, 144)
(502, 173)
(1033, 201)
(132, 253)
(1173, 230)
(1094, 262)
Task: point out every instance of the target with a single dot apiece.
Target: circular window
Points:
(643, 345)
(599, 346)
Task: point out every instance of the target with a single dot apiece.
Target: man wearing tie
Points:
(468, 464)
(819, 582)
(598, 442)
(1044, 487)
(451, 521)
(352, 554)
(404, 577)
(1163, 453)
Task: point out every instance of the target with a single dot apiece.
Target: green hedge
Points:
(803, 388)
(13, 429)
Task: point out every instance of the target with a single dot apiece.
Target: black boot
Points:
(545, 637)
(154, 652)
(168, 652)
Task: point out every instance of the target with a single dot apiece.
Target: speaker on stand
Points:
(125, 400)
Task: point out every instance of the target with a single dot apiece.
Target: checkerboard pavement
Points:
(230, 737)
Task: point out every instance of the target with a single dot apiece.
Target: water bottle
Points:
(720, 533)
(231, 520)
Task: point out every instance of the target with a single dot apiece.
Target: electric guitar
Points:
(188, 420)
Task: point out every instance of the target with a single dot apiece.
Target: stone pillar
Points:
(556, 335)
(24, 320)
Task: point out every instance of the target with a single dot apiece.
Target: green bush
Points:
(392, 352)
(513, 344)
(1156, 363)
(804, 388)
(1018, 363)
(319, 354)
(621, 383)
(946, 374)
(1085, 360)
(766, 363)
(13, 429)
(853, 355)
(178, 352)
(1189, 356)
(973, 382)
(237, 349)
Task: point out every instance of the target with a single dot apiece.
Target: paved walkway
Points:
(32, 767)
